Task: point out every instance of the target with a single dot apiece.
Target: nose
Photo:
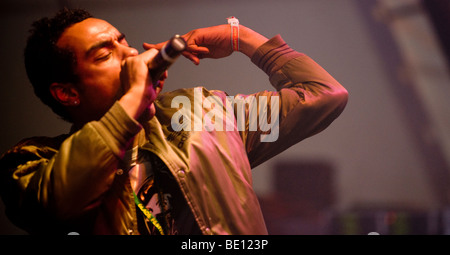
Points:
(133, 51)
(127, 51)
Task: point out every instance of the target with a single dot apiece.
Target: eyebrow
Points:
(103, 44)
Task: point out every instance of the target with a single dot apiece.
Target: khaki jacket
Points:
(79, 182)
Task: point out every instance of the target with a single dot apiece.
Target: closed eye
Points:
(104, 56)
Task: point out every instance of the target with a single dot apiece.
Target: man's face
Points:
(99, 49)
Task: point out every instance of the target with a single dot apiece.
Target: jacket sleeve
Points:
(308, 100)
(65, 181)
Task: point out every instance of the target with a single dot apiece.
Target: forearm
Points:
(86, 164)
(250, 41)
(67, 180)
(309, 98)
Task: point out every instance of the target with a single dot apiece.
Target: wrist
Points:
(249, 40)
(134, 108)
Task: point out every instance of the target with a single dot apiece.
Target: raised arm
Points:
(308, 97)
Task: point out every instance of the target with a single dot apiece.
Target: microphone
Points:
(166, 57)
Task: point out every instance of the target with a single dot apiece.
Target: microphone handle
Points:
(166, 57)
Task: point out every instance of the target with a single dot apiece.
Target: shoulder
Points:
(32, 148)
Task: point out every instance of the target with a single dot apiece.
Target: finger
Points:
(192, 57)
(148, 46)
(159, 84)
(164, 76)
(159, 87)
(194, 48)
(194, 53)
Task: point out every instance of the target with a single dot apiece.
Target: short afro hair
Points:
(46, 63)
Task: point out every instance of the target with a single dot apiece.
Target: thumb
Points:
(147, 56)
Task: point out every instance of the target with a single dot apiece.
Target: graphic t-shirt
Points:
(158, 191)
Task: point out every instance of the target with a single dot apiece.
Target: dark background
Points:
(381, 166)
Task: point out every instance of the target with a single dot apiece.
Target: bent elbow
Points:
(341, 99)
(327, 108)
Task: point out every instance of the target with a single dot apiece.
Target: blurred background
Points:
(382, 166)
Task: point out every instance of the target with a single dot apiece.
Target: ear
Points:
(65, 93)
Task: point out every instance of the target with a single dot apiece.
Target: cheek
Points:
(104, 80)
(101, 87)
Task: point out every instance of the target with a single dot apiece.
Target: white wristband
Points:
(234, 23)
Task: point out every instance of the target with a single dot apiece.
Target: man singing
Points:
(124, 167)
